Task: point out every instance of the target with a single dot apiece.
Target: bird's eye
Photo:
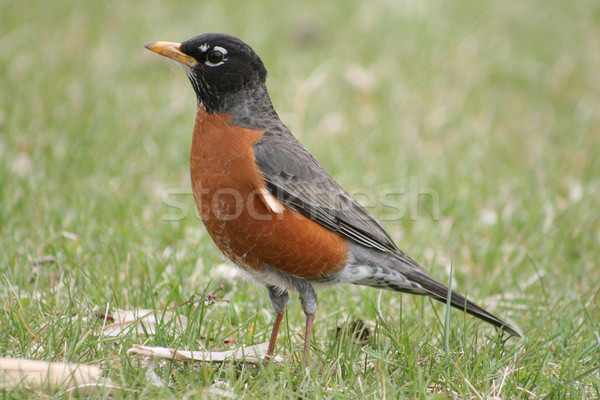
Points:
(215, 57)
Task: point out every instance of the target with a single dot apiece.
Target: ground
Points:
(472, 130)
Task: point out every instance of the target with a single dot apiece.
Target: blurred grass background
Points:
(493, 107)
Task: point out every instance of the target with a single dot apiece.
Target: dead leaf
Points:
(141, 322)
(36, 374)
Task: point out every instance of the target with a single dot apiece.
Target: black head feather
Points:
(227, 70)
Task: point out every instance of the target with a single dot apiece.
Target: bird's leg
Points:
(274, 334)
(309, 301)
(308, 337)
(279, 299)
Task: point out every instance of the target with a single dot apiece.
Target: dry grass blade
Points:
(249, 355)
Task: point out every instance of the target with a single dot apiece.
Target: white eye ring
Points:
(220, 59)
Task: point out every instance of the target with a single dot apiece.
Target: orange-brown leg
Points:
(279, 299)
(309, 301)
(308, 337)
(274, 333)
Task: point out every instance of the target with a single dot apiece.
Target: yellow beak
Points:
(172, 50)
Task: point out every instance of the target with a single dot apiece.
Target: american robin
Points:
(266, 202)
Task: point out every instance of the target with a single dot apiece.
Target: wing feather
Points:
(296, 179)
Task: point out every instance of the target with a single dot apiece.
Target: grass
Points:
(481, 135)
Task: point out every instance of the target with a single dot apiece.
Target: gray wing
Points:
(300, 182)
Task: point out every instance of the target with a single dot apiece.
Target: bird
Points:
(267, 203)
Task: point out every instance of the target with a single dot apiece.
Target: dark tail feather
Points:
(440, 293)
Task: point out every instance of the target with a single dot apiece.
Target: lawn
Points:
(471, 129)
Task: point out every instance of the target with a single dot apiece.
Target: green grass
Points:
(498, 117)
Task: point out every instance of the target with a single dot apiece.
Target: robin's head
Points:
(218, 65)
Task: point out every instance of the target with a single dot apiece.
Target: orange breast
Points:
(227, 185)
